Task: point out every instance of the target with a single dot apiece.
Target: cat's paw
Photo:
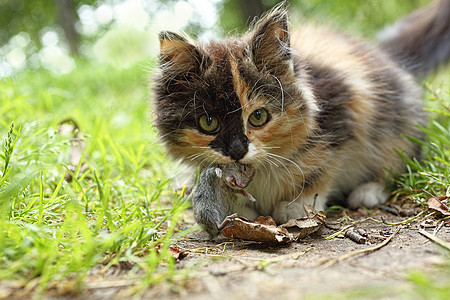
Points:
(286, 211)
(368, 194)
(245, 209)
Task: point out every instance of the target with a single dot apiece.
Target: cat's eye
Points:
(208, 124)
(259, 118)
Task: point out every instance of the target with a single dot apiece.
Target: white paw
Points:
(285, 210)
(369, 194)
(244, 208)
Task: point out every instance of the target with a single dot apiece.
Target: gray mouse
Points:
(215, 195)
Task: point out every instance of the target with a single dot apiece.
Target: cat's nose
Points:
(238, 148)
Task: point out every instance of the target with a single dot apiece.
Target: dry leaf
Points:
(302, 227)
(268, 220)
(263, 230)
(439, 204)
(175, 252)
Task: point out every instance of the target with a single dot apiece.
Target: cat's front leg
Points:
(286, 210)
(368, 194)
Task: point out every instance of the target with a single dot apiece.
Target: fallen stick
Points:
(348, 255)
(404, 222)
(355, 236)
(435, 239)
(340, 231)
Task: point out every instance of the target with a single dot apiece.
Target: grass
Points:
(431, 175)
(119, 209)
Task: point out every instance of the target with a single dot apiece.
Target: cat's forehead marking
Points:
(220, 80)
(239, 85)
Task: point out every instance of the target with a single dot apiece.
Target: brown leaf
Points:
(268, 220)
(175, 252)
(439, 204)
(302, 227)
(263, 230)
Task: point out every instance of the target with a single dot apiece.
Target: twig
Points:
(355, 236)
(359, 251)
(435, 239)
(339, 232)
(436, 198)
(398, 223)
(404, 222)
(438, 227)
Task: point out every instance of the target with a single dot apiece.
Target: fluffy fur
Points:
(338, 110)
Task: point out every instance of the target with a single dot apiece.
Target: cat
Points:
(312, 110)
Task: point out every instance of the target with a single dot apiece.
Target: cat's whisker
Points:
(233, 111)
(290, 128)
(268, 176)
(187, 103)
(287, 170)
(268, 147)
(271, 162)
(301, 171)
(195, 111)
(264, 165)
(267, 165)
(240, 108)
(279, 86)
(204, 109)
(195, 156)
(211, 159)
(201, 162)
(254, 85)
(274, 86)
(282, 91)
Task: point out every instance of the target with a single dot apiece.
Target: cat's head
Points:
(233, 100)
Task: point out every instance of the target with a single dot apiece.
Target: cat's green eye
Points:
(208, 124)
(259, 118)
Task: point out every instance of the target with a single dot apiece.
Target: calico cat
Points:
(312, 110)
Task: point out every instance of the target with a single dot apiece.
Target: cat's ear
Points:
(178, 55)
(270, 43)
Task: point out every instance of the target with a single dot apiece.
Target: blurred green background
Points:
(49, 34)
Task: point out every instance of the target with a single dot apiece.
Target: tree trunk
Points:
(67, 19)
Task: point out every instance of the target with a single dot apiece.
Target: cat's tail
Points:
(420, 41)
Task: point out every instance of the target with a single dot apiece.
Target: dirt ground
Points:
(312, 268)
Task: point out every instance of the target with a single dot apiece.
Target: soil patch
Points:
(324, 264)
(315, 265)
